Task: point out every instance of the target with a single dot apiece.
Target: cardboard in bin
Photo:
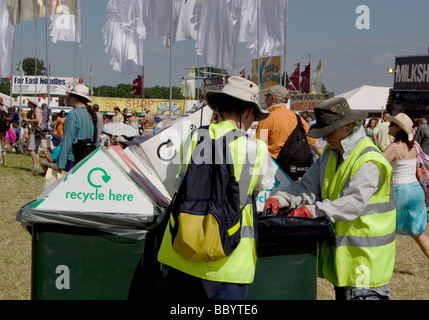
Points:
(163, 149)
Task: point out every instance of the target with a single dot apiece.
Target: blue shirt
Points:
(56, 152)
(77, 126)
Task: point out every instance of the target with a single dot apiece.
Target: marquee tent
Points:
(6, 99)
(367, 98)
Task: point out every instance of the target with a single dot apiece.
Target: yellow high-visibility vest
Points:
(239, 267)
(363, 254)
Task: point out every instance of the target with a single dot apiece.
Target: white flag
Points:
(188, 85)
(29, 10)
(7, 33)
(216, 37)
(272, 21)
(121, 35)
(316, 80)
(66, 21)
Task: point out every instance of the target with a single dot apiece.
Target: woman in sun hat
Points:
(229, 277)
(411, 218)
(80, 124)
(349, 185)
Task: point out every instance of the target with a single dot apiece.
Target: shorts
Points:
(51, 165)
(34, 143)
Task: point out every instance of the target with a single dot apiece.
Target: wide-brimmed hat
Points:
(404, 122)
(80, 90)
(332, 114)
(33, 101)
(241, 89)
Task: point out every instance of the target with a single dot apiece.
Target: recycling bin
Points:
(75, 263)
(93, 229)
(287, 264)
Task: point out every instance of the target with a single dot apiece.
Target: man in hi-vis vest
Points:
(351, 186)
(227, 278)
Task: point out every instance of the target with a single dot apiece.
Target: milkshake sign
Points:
(412, 73)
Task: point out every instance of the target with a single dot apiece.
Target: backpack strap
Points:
(221, 154)
(249, 160)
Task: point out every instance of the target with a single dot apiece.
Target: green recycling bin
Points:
(287, 264)
(76, 263)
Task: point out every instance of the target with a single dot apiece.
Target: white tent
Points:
(367, 98)
(6, 100)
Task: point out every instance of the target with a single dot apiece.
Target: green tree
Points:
(29, 67)
(4, 86)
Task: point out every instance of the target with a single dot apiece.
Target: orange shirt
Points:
(277, 128)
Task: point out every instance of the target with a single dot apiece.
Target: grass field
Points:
(18, 186)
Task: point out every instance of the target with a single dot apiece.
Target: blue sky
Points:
(325, 29)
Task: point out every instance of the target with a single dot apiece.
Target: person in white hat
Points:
(80, 124)
(229, 277)
(36, 132)
(411, 214)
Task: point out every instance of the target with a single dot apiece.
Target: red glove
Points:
(301, 212)
(273, 204)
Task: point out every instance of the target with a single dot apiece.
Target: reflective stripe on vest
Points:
(368, 242)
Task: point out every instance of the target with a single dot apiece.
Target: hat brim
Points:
(78, 94)
(401, 125)
(319, 132)
(212, 100)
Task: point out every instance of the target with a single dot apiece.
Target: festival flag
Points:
(7, 34)
(316, 80)
(29, 9)
(272, 19)
(305, 78)
(294, 80)
(188, 85)
(216, 34)
(65, 21)
(123, 35)
(91, 90)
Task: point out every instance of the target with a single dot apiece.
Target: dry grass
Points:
(19, 186)
(410, 280)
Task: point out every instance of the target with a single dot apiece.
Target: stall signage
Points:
(412, 73)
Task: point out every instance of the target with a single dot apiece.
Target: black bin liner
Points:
(283, 234)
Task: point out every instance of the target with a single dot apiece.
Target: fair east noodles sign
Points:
(39, 85)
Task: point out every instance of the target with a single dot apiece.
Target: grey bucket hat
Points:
(241, 89)
(332, 114)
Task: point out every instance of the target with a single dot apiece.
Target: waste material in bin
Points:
(288, 249)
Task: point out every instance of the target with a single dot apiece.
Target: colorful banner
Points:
(306, 101)
(157, 106)
(269, 71)
(58, 86)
